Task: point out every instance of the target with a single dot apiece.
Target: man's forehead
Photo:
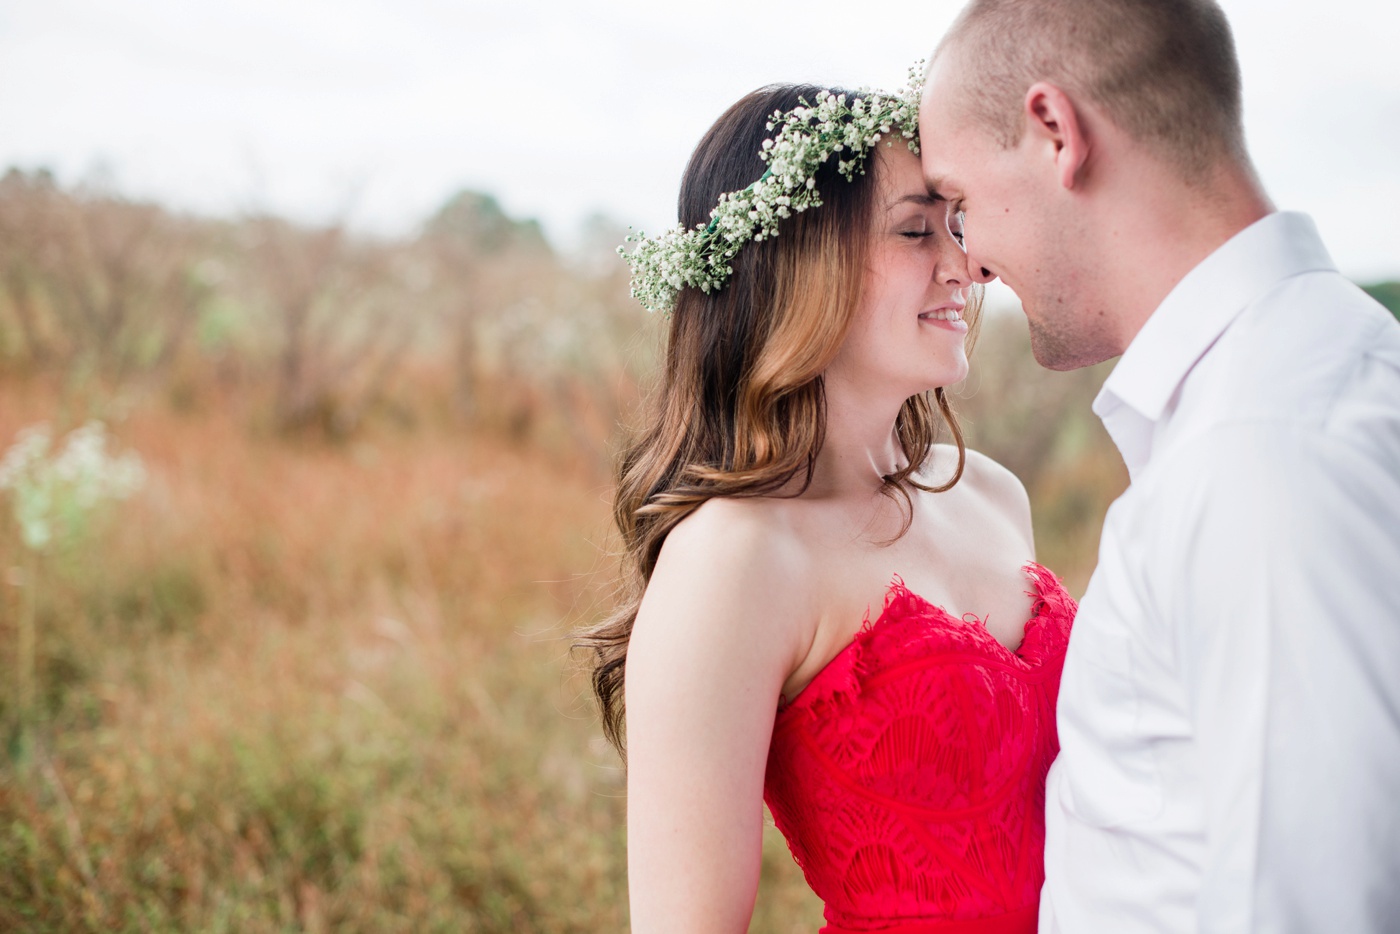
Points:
(939, 175)
(947, 97)
(941, 126)
(942, 82)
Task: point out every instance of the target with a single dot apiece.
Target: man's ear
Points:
(1051, 116)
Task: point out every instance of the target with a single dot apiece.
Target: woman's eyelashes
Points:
(950, 222)
(920, 228)
(922, 233)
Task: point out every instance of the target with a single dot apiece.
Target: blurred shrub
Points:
(1387, 293)
(326, 326)
(91, 280)
(340, 313)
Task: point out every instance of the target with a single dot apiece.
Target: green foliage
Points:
(478, 221)
(1387, 293)
(170, 598)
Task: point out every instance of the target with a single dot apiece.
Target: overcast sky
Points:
(378, 111)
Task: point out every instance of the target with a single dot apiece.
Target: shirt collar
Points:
(1197, 311)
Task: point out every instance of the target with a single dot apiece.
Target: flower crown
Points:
(808, 136)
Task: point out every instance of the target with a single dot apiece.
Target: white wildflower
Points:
(53, 495)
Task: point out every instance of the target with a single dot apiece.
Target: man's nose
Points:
(976, 272)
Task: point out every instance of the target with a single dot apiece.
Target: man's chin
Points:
(1059, 351)
(1058, 363)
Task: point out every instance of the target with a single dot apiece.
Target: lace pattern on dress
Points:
(908, 776)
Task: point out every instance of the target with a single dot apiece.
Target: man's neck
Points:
(1170, 228)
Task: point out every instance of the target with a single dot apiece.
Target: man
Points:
(1230, 711)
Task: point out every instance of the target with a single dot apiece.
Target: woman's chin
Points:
(951, 377)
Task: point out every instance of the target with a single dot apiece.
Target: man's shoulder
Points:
(1295, 354)
(1303, 389)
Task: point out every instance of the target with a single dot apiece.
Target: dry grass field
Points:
(293, 686)
(314, 675)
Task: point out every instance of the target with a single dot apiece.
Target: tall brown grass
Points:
(315, 676)
(302, 686)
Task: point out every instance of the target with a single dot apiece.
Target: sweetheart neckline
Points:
(897, 586)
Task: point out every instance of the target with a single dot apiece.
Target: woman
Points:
(785, 482)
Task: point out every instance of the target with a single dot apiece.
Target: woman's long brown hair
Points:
(740, 408)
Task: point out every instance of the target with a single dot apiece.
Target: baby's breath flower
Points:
(806, 137)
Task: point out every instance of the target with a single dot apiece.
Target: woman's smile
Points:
(947, 316)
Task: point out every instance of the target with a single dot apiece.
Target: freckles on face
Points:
(907, 335)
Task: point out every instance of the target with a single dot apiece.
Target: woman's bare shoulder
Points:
(724, 597)
(736, 529)
(988, 481)
(740, 551)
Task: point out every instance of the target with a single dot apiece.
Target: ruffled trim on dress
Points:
(1053, 607)
(1051, 598)
(839, 684)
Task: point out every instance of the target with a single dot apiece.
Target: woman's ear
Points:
(1052, 117)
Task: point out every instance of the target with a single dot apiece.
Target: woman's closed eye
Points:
(920, 227)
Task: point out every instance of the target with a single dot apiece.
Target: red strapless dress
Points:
(909, 776)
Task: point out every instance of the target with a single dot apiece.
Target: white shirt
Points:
(1230, 711)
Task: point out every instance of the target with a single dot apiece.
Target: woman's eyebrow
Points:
(935, 185)
(923, 198)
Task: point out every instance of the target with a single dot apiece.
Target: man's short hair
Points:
(1165, 71)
